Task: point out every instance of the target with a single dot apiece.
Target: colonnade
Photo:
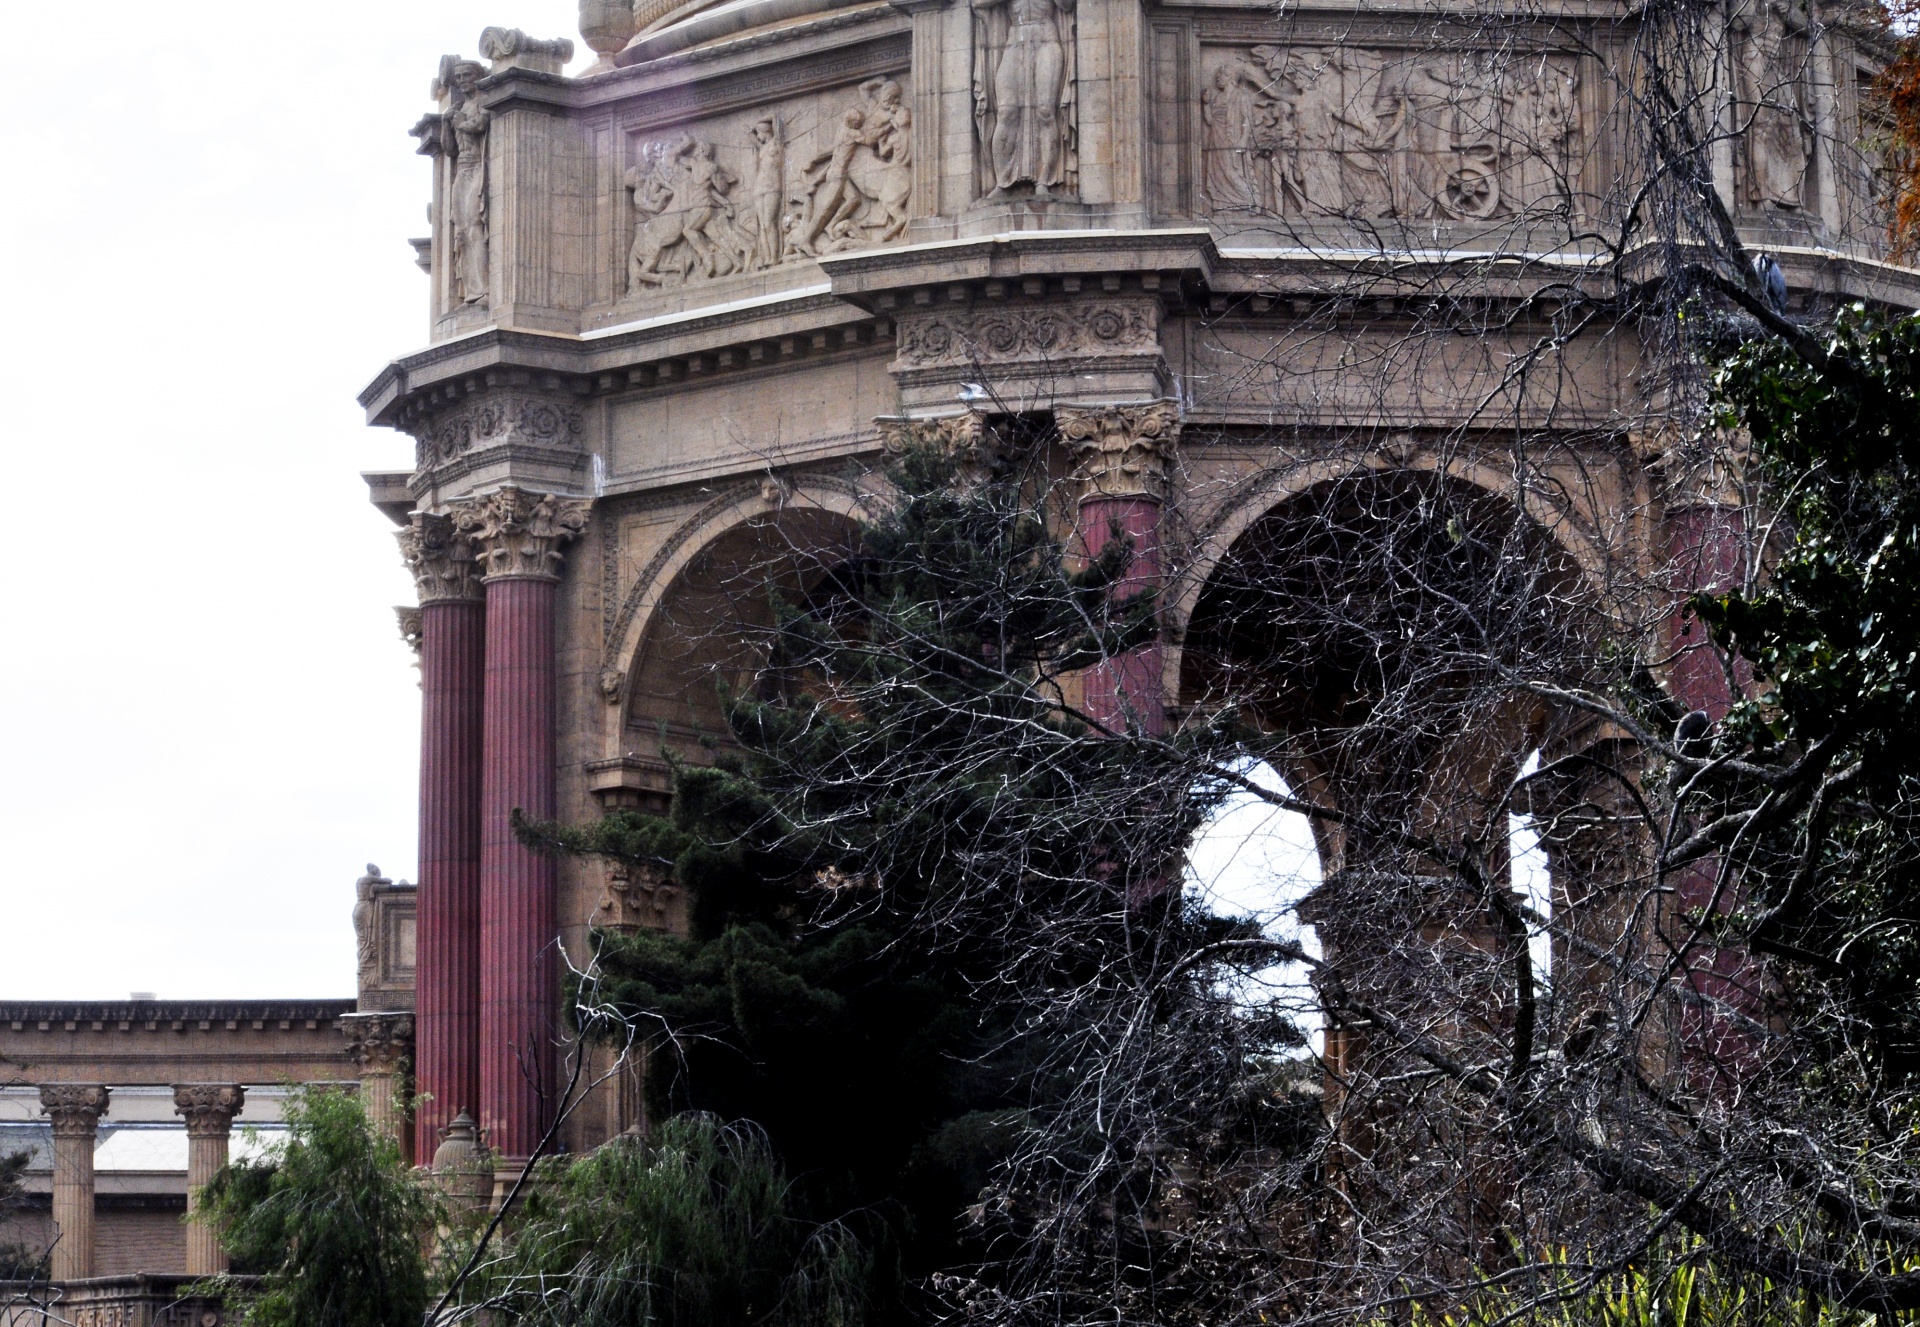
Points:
(75, 1110)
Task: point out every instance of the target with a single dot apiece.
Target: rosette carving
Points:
(517, 533)
(440, 558)
(1120, 451)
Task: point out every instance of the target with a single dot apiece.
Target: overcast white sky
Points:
(208, 722)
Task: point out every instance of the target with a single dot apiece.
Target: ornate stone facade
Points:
(1177, 251)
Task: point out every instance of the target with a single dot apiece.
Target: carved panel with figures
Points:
(1338, 131)
(756, 189)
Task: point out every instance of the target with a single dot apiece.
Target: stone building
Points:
(680, 302)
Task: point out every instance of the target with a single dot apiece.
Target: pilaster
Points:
(382, 1047)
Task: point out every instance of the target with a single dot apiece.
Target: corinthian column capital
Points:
(517, 534)
(74, 1108)
(380, 1043)
(1121, 451)
(440, 558)
(209, 1108)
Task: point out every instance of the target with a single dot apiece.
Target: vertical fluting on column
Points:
(447, 972)
(209, 1109)
(75, 1109)
(1120, 454)
(517, 537)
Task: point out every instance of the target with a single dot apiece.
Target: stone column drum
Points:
(1120, 454)
(75, 1109)
(517, 537)
(447, 972)
(209, 1109)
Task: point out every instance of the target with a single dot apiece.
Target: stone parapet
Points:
(117, 1301)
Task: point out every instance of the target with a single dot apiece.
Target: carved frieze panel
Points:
(1359, 133)
(494, 420)
(752, 190)
(1778, 144)
(975, 335)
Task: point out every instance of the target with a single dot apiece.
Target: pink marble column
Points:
(447, 981)
(518, 537)
(1706, 550)
(1120, 454)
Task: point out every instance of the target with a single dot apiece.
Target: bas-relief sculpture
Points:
(698, 217)
(1025, 77)
(1778, 136)
(1336, 132)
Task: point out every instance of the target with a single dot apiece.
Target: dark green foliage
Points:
(1834, 634)
(695, 1227)
(333, 1221)
(17, 1262)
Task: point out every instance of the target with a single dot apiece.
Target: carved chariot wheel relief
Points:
(1472, 192)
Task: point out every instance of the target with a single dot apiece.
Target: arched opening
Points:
(1254, 861)
(709, 633)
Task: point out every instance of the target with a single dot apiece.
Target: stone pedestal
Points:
(209, 1109)
(1120, 453)
(75, 1109)
(382, 1047)
(452, 643)
(518, 537)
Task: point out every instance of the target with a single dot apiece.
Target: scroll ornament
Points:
(1121, 451)
(440, 558)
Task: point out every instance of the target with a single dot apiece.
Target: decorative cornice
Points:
(75, 1108)
(517, 534)
(379, 1043)
(1120, 451)
(209, 1108)
(441, 558)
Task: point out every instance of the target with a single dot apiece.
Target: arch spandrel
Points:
(1245, 499)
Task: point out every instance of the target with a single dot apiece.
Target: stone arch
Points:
(796, 510)
(1264, 492)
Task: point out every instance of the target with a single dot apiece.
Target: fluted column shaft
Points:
(1128, 690)
(517, 537)
(519, 983)
(451, 637)
(75, 1110)
(209, 1109)
(447, 1001)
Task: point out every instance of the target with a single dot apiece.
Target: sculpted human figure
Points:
(1541, 123)
(467, 196)
(1227, 115)
(768, 192)
(682, 196)
(1776, 140)
(1023, 94)
(888, 181)
(363, 938)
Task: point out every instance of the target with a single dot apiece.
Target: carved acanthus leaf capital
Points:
(441, 559)
(963, 437)
(209, 1108)
(520, 534)
(1121, 451)
(74, 1108)
(379, 1043)
(412, 626)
